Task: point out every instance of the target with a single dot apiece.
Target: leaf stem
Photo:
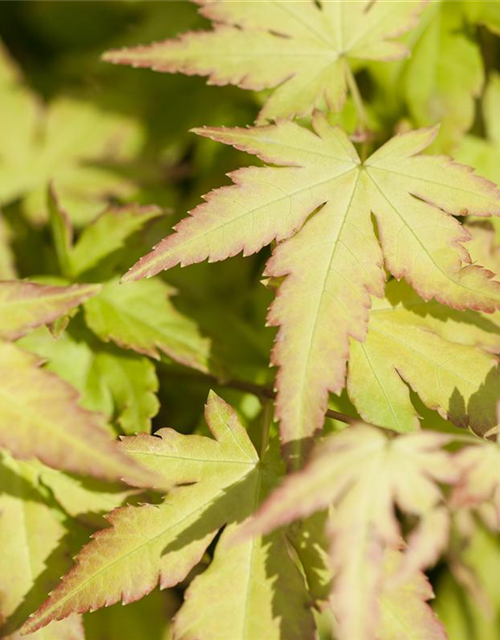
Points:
(263, 392)
(267, 418)
(362, 128)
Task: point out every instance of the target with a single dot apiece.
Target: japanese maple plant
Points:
(360, 473)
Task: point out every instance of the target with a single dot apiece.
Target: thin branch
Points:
(263, 392)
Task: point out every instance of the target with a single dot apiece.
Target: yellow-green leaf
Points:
(305, 49)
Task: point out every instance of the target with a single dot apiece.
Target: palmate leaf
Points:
(141, 317)
(120, 384)
(34, 540)
(223, 482)
(50, 425)
(105, 235)
(364, 475)
(26, 305)
(435, 351)
(303, 48)
(484, 153)
(68, 139)
(439, 82)
(404, 613)
(336, 260)
(108, 233)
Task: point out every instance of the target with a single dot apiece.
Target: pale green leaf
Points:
(122, 385)
(68, 141)
(86, 499)
(485, 12)
(7, 260)
(108, 233)
(404, 612)
(444, 74)
(141, 317)
(50, 425)
(433, 350)
(33, 538)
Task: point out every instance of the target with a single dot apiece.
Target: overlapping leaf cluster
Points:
(377, 261)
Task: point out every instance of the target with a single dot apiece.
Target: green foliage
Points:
(349, 491)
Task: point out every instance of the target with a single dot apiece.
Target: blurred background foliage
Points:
(106, 135)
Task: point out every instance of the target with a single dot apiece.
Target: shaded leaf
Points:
(410, 342)
(161, 543)
(108, 233)
(33, 536)
(50, 425)
(68, 140)
(141, 317)
(122, 385)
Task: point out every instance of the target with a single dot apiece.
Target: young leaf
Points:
(410, 341)
(306, 49)
(26, 305)
(72, 140)
(33, 537)
(364, 474)
(62, 232)
(50, 425)
(413, 199)
(447, 94)
(122, 385)
(107, 233)
(483, 152)
(223, 482)
(141, 317)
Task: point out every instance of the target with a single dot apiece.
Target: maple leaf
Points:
(26, 305)
(441, 43)
(121, 385)
(480, 478)
(335, 261)
(33, 536)
(483, 153)
(484, 13)
(141, 317)
(106, 234)
(432, 349)
(52, 426)
(306, 49)
(364, 474)
(85, 499)
(222, 481)
(404, 613)
(70, 139)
